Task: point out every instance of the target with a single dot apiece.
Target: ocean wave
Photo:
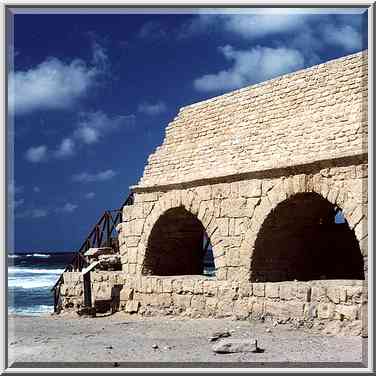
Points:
(14, 270)
(31, 311)
(40, 255)
(32, 282)
(14, 256)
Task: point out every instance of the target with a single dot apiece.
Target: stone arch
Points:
(181, 201)
(283, 189)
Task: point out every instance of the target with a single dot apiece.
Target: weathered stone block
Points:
(348, 312)
(354, 294)
(256, 307)
(132, 306)
(126, 293)
(284, 309)
(223, 226)
(221, 190)
(177, 286)
(245, 289)
(211, 305)
(250, 188)
(288, 290)
(303, 292)
(272, 290)
(167, 285)
(258, 289)
(333, 293)
(310, 310)
(204, 192)
(198, 302)
(241, 308)
(318, 294)
(188, 285)
(225, 308)
(182, 301)
(210, 288)
(325, 310)
(233, 207)
(226, 346)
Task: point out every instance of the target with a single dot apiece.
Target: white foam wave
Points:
(13, 256)
(31, 284)
(31, 311)
(13, 270)
(40, 255)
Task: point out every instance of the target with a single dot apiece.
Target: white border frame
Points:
(192, 3)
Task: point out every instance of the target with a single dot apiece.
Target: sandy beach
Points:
(125, 341)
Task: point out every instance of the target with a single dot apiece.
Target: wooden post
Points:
(87, 289)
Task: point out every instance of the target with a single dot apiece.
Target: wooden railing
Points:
(103, 234)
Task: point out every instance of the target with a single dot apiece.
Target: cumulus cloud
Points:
(66, 149)
(344, 36)
(67, 208)
(92, 126)
(250, 66)
(290, 39)
(36, 154)
(85, 177)
(262, 23)
(54, 84)
(152, 108)
(90, 195)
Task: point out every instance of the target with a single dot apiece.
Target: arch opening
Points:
(178, 245)
(306, 238)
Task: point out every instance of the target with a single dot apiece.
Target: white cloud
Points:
(343, 36)
(94, 125)
(250, 66)
(152, 108)
(39, 213)
(67, 208)
(86, 177)
(32, 213)
(54, 84)
(36, 154)
(66, 149)
(91, 128)
(259, 24)
(90, 195)
(87, 135)
(36, 189)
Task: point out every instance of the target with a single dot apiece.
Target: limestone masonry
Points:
(260, 174)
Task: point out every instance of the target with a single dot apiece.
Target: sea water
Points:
(31, 277)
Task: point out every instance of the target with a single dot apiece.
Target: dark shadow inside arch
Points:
(306, 238)
(178, 245)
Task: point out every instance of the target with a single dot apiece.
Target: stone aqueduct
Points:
(261, 172)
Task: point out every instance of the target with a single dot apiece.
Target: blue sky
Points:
(91, 95)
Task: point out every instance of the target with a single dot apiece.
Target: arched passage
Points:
(301, 240)
(177, 245)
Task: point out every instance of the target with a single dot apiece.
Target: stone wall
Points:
(314, 114)
(233, 211)
(310, 303)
